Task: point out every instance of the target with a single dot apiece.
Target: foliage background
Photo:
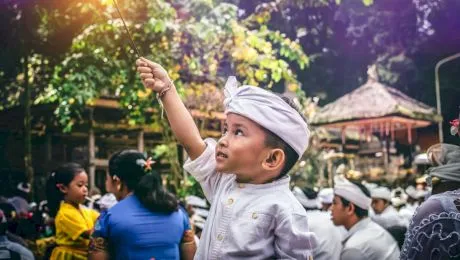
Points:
(72, 52)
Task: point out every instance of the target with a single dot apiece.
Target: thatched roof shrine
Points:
(374, 107)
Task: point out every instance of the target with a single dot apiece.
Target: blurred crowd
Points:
(351, 219)
(360, 220)
(27, 228)
(391, 208)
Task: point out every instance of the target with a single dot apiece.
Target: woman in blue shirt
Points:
(147, 222)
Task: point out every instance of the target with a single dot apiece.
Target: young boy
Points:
(253, 213)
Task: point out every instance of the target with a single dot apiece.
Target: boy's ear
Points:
(351, 209)
(274, 160)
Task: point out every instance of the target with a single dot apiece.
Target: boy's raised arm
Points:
(156, 78)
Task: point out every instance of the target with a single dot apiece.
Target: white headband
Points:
(349, 191)
(381, 193)
(326, 195)
(269, 111)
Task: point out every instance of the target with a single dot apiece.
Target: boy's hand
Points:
(153, 76)
(156, 78)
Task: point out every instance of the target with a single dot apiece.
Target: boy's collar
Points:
(284, 181)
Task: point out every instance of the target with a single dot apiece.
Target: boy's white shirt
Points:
(248, 221)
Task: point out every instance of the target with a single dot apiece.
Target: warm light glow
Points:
(302, 163)
(107, 2)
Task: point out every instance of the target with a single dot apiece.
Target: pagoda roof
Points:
(375, 101)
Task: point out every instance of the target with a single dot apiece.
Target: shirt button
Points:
(240, 185)
(230, 201)
(254, 215)
(220, 237)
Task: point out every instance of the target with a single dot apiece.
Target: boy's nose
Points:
(223, 141)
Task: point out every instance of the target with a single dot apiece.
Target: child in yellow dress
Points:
(66, 190)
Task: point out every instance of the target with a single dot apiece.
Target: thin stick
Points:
(133, 45)
(89, 199)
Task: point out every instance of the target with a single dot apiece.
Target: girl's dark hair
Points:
(128, 166)
(64, 174)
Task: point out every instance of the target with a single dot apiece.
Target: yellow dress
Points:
(70, 224)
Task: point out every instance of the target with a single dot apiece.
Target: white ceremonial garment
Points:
(248, 221)
(329, 237)
(389, 218)
(367, 240)
(407, 211)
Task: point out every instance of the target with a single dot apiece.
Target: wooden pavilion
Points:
(374, 108)
(102, 131)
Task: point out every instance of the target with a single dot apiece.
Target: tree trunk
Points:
(27, 127)
(91, 151)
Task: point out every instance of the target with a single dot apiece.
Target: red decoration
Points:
(455, 127)
(148, 164)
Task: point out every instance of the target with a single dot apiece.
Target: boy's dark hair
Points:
(360, 213)
(310, 193)
(146, 184)
(273, 141)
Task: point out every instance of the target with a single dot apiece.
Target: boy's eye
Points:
(224, 132)
(238, 132)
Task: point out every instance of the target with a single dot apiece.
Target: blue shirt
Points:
(134, 232)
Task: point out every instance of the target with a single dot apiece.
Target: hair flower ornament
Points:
(146, 164)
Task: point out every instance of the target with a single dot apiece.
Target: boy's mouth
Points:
(221, 155)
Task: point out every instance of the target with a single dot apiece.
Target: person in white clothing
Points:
(414, 197)
(385, 214)
(365, 239)
(253, 213)
(328, 235)
(326, 196)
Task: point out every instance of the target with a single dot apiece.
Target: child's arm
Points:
(99, 243)
(188, 246)
(202, 159)
(156, 78)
